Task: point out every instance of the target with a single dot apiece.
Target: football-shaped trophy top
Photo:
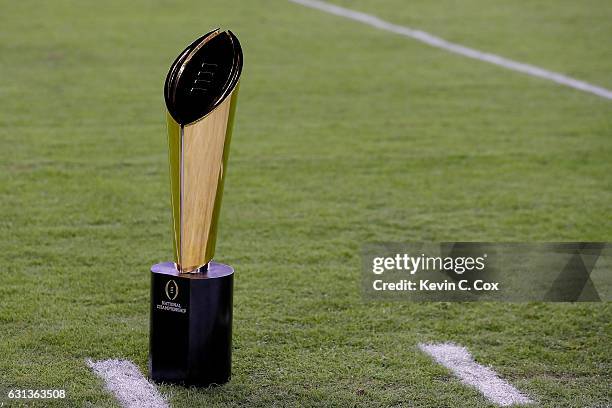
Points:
(202, 76)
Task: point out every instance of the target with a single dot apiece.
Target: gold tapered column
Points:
(201, 93)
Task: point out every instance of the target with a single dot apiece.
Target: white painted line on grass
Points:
(459, 360)
(125, 381)
(438, 42)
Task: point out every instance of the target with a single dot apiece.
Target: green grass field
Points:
(344, 135)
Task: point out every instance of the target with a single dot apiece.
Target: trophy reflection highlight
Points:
(191, 298)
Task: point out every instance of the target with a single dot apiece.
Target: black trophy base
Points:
(190, 341)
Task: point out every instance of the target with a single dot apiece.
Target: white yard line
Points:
(459, 360)
(129, 386)
(438, 42)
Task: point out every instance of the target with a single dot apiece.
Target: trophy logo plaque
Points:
(191, 298)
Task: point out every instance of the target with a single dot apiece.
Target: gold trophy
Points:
(191, 298)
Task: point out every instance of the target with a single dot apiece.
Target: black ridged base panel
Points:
(190, 339)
